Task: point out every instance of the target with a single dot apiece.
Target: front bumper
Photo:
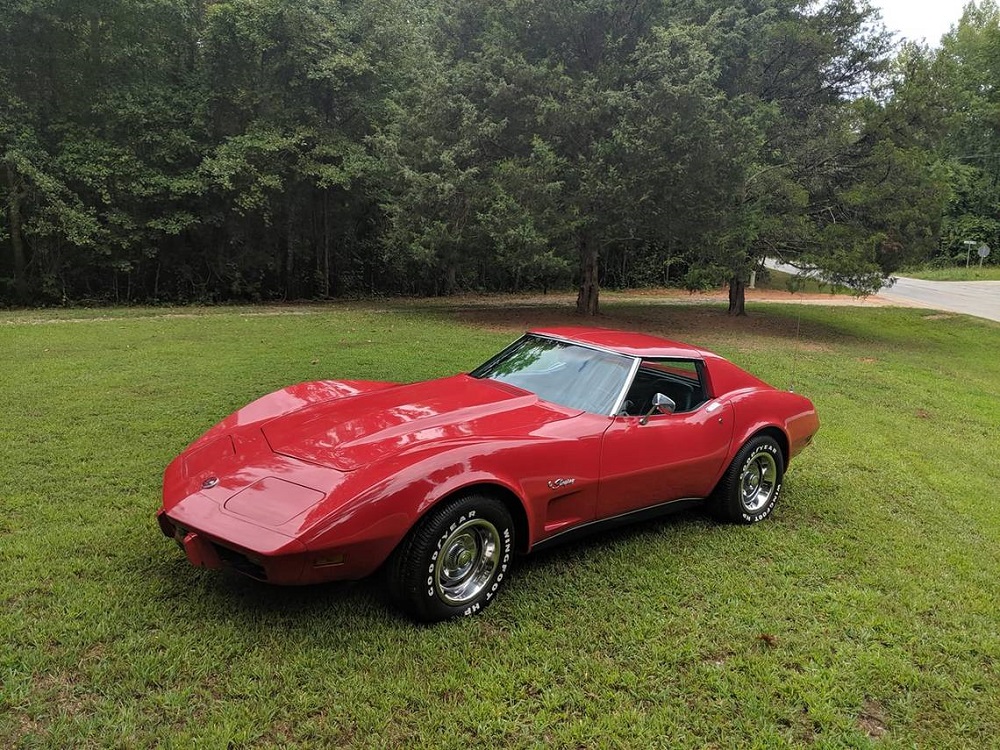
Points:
(212, 539)
(282, 561)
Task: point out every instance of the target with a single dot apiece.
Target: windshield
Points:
(566, 374)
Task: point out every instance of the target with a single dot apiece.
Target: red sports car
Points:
(441, 482)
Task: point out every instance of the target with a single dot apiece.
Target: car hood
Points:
(349, 433)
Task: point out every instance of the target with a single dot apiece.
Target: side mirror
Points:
(661, 405)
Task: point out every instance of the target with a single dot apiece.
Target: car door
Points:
(669, 457)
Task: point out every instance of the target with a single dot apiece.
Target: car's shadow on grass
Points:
(687, 521)
(335, 614)
(363, 606)
(226, 597)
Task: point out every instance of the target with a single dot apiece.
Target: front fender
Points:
(387, 505)
(406, 487)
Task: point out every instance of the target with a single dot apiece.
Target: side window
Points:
(680, 379)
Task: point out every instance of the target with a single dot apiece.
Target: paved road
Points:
(980, 299)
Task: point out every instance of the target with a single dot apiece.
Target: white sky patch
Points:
(921, 20)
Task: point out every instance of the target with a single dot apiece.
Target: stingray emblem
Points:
(209, 483)
(555, 484)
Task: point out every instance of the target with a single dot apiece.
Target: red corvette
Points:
(441, 482)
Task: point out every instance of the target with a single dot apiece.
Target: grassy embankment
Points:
(958, 273)
(865, 608)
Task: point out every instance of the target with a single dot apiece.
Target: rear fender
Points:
(792, 415)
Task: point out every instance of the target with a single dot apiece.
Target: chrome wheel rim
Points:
(758, 481)
(467, 561)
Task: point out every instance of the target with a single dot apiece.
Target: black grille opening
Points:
(240, 563)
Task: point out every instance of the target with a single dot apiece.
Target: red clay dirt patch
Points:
(702, 324)
(872, 719)
(671, 295)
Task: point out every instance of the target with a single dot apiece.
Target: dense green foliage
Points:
(866, 607)
(961, 86)
(157, 150)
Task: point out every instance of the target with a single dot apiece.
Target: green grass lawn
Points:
(786, 282)
(864, 612)
(958, 273)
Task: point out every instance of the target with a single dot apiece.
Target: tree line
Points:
(247, 150)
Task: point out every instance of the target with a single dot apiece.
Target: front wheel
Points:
(454, 561)
(750, 487)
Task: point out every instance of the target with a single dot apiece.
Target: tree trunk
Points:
(290, 287)
(325, 270)
(586, 300)
(737, 296)
(20, 258)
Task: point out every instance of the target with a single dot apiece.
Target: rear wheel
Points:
(454, 561)
(750, 487)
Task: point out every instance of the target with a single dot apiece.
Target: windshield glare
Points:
(560, 372)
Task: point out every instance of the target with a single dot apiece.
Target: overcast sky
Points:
(921, 19)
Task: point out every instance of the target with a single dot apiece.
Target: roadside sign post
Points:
(983, 252)
(968, 249)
